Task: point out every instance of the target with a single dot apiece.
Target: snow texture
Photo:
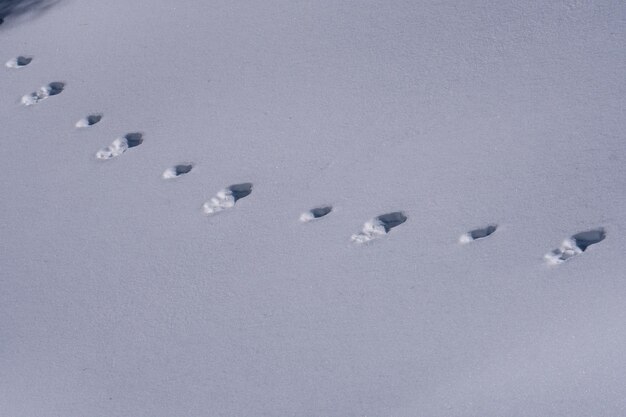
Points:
(177, 171)
(575, 245)
(378, 227)
(119, 297)
(120, 145)
(19, 62)
(315, 213)
(476, 234)
(226, 198)
(43, 93)
(90, 120)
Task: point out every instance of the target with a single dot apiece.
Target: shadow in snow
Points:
(575, 245)
(321, 211)
(240, 191)
(11, 9)
(315, 213)
(585, 239)
(391, 220)
(134, 139)
(477, 234)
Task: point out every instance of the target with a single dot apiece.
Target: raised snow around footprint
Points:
(315, 213)
(575, 245)
(43, 93)
(19, 62)
(379, 226)
(177, 171)
(120, 145)
(476, 234)
(226, 198)
(90, 120)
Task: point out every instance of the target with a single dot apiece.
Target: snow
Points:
(315, 213)
(119, 297)
(226, 198)
(18, 62)
(177, 171)
(43, 93)
(120, 145)
(90, 120)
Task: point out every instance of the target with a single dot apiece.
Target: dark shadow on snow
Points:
(240, 191)
(585, 239)
(55, 88)
(22, 61)
(134, 139)
(13, 9)
(484, 232)
(92, 119)
(182, 169)
(391, 220)
(321, 211)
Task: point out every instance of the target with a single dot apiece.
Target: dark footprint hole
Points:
(22, 61)
(182, 169)
(391, 220)
(240, 191)
(134, 139)
(585, 239)
(483, 232)
(55, 88)
(321, 211)
(93, 119)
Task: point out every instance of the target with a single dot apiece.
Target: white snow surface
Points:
(119, 298)
(372, 229)
(567, 250)
(115, 149)
(223, 200)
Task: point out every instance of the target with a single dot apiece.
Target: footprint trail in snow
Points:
(90, 120)
(315, 213)
(177, 171)
(379, 227)
(19, 62)
(226, 198)
(43, 93)
(477, 234)
(120, 145)
(575, 245)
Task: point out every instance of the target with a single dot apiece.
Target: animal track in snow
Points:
(19, 62)
(43, 93)
(177, 171)
(315, 213)
(379, 226)
(226, 198)
(575, 245)
(90, 120)
(478, 234)
(120, 145)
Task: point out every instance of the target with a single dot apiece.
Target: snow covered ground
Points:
(130, 285)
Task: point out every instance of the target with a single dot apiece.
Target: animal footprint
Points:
(478, 234)
(120, 145)
(43, 93)
(19, 62)
(177, 171)
(226, 198)
(90, 120)
(575, 245)
(315, 213)
(379, 226)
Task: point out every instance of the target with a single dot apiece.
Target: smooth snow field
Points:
(312, 208)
